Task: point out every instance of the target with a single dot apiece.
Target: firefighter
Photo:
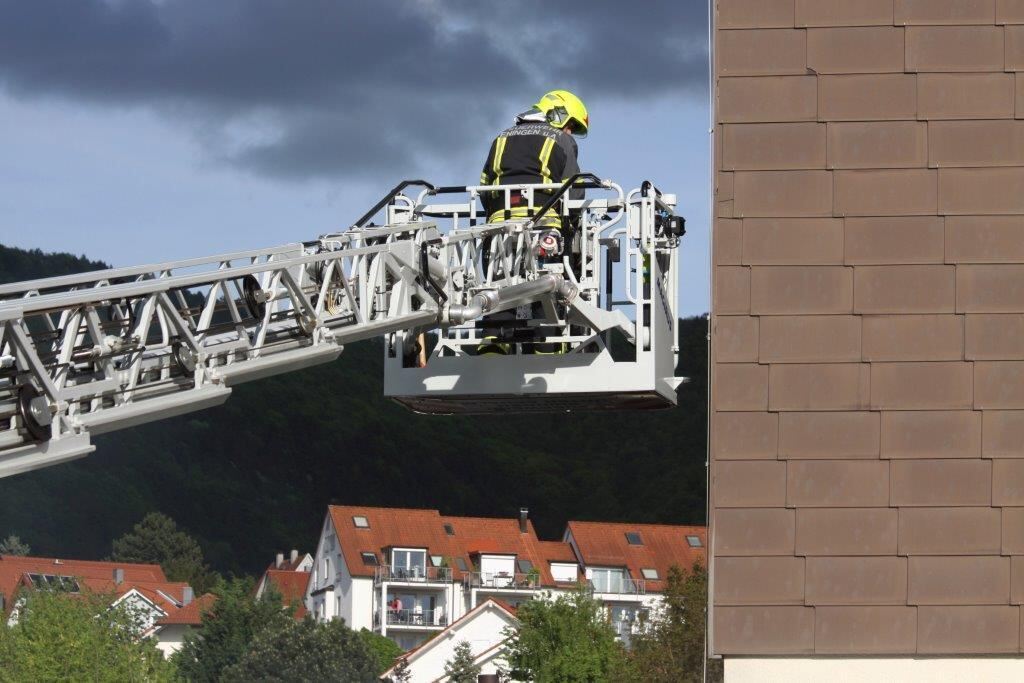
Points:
(539, 148)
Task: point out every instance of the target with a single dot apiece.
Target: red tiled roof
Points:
(604, 544)
(192, 613)
(292, 586)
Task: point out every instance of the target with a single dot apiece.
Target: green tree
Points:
(64, 637)
(12, 545)
(460, 668)
(229, 628)
(306, 650)
(673, 648)
(157, 540)
(384, 650)
(565, 640)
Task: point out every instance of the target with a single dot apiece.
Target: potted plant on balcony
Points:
(533, 577)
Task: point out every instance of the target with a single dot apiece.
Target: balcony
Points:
(414, 575)
(412, 618)
(501, 581)
(619, 586)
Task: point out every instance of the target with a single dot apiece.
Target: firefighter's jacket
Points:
(532, 151)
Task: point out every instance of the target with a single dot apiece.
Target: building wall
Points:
(868, 327)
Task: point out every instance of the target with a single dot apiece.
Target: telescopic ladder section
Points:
(86, 354)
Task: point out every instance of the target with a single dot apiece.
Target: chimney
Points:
(279, 561)
(294, 556)
(187, 595)
(523, 514)
(118, 576)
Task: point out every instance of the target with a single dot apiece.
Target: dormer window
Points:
(694, 541)
(633, 538)
(649, 573)
(369, 559)
(360, 522)
(408, 563)
(524, 566)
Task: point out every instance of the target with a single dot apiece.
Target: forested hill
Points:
(253, 477)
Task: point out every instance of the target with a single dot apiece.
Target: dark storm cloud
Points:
(349, 87)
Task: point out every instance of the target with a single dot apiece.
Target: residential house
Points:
(483, 627)
(410, 573)
(290, 577)
(159, 602)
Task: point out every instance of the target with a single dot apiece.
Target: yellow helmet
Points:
(562, 108)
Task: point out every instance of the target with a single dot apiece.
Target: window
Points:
(694, 541)
(449, 529)
(360, 522)
(524, 566)
(633, 538)
(609, 580)
(409, 563)
(564, 572)
(650, 574)
(460, 562)
(436, 560)
(369, 559)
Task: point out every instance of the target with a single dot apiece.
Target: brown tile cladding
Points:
(757, 532)
(931, 434)
(965, 96)
(1010, 11)
(762, 52)
(1002, 434)
(949, 531)
(954, 48)
(913, 337)
(865, 630)
(736, 339)
(773, 146)
(877, 144)
(935, 12)
(921, 386)
(783, 194)
(818, 386)
(991, 336)
(779, 290)
(764, 630)
(764, 100)
(846, 531)
(759, 581)
(894, 240)
(809, 339)
(856, 581)
(792, 241)
(747, 436)
(867, 436)
(837, 483)
(855, 50)
(829, 435)
(983, 629)
(958, 580)
(911, 192)
(750, 483)
(904, 289)
(755, 13)
(937, 483)
(867, 98)
(844, 13)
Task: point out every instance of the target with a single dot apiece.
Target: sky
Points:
(138, 131)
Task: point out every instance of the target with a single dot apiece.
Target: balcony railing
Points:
(501, 580)
(412, 574)
(619, 586)
(413, 617)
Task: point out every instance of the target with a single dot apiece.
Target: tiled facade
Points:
(868, 328)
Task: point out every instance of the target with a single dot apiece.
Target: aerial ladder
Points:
(593, 328)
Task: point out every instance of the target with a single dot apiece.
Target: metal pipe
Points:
(492, 300)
